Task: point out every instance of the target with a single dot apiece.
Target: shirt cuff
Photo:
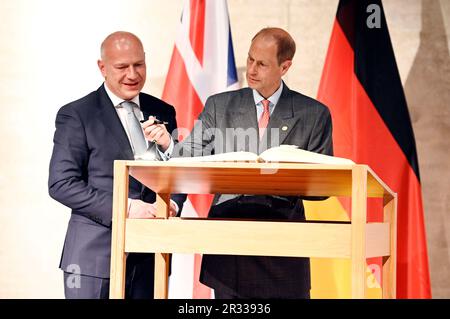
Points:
(166, 155)
(129, 206)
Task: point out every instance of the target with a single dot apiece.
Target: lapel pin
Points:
(284, 128)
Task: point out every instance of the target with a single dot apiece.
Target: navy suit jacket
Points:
(88, 138)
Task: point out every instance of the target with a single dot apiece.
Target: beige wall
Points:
(48, 58)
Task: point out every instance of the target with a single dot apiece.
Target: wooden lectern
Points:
(357, 240)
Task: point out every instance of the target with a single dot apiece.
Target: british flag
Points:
(202, 64)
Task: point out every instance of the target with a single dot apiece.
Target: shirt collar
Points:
(117, 100)
(273, 98)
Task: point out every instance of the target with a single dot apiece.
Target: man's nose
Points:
(132, 73)
(251, 67)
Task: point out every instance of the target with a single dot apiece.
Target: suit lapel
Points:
(110, 119)
(282, 120)
(243, 113)
(145, 108)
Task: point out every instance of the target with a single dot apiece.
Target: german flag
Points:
(371, 125)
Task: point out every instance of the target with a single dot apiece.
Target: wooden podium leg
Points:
(162, 260)
(120, 206)
(390, 262)
(359, 218)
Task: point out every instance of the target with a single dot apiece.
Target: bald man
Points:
(90, 134)
(276, 115)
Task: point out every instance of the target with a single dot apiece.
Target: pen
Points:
(156, 121)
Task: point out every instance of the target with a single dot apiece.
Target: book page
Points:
(293, 154)
(224, 157)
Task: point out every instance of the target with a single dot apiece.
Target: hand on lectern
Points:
(141, 209)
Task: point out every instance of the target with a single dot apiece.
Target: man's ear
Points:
(101, 67)
(285, 66)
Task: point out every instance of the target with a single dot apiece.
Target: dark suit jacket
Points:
(88, 138)
(308, 124)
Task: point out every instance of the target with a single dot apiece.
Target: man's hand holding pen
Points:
(155, 131)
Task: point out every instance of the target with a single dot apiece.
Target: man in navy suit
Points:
(90, 134)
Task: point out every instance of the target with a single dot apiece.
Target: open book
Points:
(282, 153)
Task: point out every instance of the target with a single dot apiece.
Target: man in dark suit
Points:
(265, 115)
(90, 134)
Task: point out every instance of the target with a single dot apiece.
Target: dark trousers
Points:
(220, 294)
(139, 281)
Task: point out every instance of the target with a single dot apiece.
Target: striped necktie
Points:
(264, 120)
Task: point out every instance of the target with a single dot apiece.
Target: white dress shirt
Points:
(273, 100)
